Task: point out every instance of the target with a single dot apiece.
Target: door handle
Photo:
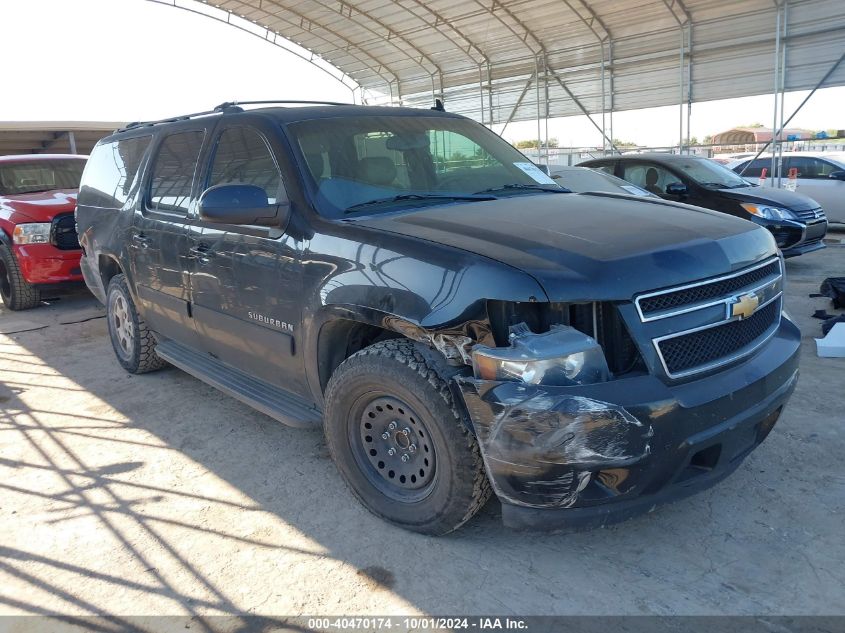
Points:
(141, 240)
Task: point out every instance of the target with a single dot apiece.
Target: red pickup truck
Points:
(38, 242)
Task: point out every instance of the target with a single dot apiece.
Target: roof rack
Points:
(225, 108)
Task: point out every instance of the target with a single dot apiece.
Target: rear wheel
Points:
(17, 293)
(132, 340)
(399, 442)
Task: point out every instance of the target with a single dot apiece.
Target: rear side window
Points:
(809, 167)
(173, 172)
(755, 169)
(110, 172)
(608, 168)
(243, 156)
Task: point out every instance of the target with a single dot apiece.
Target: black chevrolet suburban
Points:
(456, 321)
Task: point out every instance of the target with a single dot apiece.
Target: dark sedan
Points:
(797, 222)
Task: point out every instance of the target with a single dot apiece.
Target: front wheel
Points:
(399, 442)
(132, 340)
(17, 293)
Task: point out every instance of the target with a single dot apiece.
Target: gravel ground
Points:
(132, 495)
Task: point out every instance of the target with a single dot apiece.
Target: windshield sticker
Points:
(635, 190)
(536, 173)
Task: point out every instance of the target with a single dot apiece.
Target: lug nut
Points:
(412, 448)
(385, 435)
(406, 431)
(405, 458)
(391, 451)
(392, 426)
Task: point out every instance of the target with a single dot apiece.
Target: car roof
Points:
(284, 115)
(809, 154)
(18, 158)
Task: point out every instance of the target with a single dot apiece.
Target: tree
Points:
(619, 143)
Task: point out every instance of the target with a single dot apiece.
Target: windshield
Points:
(709, 173)
(40, 175)
(583, 179)
(376, 164)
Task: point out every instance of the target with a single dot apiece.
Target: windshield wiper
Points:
(416, 196)
(518, 186)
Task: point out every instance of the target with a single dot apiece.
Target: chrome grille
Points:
(810, 215)
(701, 293)
(739, 313)
(715, 344)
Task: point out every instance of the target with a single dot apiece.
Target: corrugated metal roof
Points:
(51, 137)
(495, 60)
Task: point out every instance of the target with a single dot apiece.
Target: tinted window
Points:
(653, 178)
(110, 172)
(756, 168)
(40, 175)
(243, 156)
(355, 161)
(173, 171)
(708, 173)
(809, 167)
(608, 168)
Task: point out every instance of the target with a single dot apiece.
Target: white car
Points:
(821, 175)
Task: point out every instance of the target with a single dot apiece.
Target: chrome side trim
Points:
(705, 282)
(726, 359)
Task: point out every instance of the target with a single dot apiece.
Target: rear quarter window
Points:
(109, 175)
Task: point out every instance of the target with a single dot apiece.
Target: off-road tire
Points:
(15, 291)
(137, 353)
(398, 368)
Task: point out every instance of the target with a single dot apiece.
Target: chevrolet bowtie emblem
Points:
(744, 306)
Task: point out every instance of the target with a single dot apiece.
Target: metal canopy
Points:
(60, 137)
(513, 60)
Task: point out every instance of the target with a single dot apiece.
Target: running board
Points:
(264, 397)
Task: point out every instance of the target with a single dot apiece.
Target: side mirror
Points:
(236, 204)
(676, 189)
(837, 175)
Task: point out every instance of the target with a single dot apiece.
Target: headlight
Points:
(35, 233)
(768, 212)
(563, 356)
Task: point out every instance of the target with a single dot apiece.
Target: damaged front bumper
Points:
(586, 456)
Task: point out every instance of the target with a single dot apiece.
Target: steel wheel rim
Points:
(381, 423)
(5, 282)
(122, 325)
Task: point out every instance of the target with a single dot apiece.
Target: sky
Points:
(129, 60)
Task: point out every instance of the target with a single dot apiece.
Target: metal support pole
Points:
(581, 107)
(71, 137)
(775, 91)
(782, 83)
(798, 109)
(603, 104)
(490, 93)
(681, 97)
(537, 86)
(689, 81)
(481, 94)
(610, 73)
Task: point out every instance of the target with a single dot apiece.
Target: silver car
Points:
(819, 175)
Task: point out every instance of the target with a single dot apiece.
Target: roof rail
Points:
(229, 104)
(224, 108)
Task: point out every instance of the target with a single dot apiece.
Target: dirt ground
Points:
(130, 495)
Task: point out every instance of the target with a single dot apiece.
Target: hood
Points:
(41, 206)
(591, 247)
(770, 195)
